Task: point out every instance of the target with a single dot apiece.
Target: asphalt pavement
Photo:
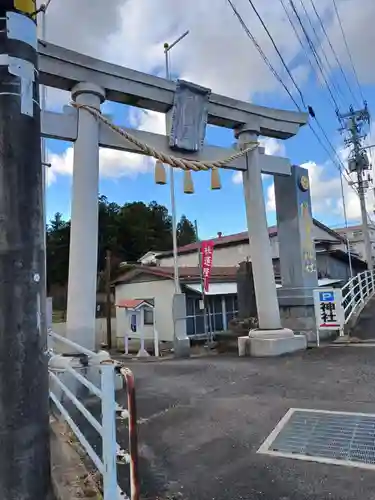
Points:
(202, 420)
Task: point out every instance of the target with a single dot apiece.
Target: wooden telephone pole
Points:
(108, 298)
(24, 410)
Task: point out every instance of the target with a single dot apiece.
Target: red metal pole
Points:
(133, 434)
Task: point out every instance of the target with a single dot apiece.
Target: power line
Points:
(262, 54)
(315, 54)
(330, 71)
(333, 50)
(277, 50)
(307, 53)
(297, 34)
(347, 49)
(311, 112)
(331, 145)
(337, 163)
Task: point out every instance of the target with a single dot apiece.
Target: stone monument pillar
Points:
(297, 252)
(247, 304)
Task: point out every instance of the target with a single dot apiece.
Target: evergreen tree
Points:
(185, 232)
(129, 231)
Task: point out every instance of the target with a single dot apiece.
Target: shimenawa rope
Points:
(173, 161)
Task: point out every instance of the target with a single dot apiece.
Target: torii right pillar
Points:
(271, 338)
(297, 252)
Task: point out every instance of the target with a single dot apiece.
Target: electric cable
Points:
(333, 51)
(347, 49)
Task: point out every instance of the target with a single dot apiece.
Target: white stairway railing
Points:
(356, 293)
(101, 366)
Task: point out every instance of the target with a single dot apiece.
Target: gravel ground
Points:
(202, 420)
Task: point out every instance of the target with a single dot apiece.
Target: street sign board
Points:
(329, 311)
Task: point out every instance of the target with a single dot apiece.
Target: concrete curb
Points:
(70, 478)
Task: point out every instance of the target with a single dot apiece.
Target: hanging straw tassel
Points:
(160, 174)
(215, 179)
(188, 182)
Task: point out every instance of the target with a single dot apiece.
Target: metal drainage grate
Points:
(331, 437)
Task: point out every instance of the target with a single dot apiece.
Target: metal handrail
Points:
(111, 451)
(70, 343)
(357, 292)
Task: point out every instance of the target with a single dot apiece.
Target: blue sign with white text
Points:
(326, 296)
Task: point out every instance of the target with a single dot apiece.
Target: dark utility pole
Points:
(353, 125)
(24, 419)
(108, 298)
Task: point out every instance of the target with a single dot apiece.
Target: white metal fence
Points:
(111, 452)
(356, 293)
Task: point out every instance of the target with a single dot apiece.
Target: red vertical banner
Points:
(207, 250)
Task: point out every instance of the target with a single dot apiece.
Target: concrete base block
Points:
(300, 318)
(271, 334)
(266, 347)
(181, 348)
(244, 346)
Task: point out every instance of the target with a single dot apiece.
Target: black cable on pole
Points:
(309, 108)
(297, 34)
(304, 49)
(278, 51)
(338, 164)
(315, 54)
(333, 50)
(330, 144)
(335, 85)
(262, 54)
(347, 49)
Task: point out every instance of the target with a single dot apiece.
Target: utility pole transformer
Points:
(24, 415)
(353, 124)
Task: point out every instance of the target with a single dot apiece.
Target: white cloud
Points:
(272, 147)
(149, 121)
(358, 21)
(217, 53)
(113, 164)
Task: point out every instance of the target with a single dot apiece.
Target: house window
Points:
(220, 310)
(194, 316)
(231, 307)
(148, 316)
(215, 309)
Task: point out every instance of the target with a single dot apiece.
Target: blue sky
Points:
(224, 210)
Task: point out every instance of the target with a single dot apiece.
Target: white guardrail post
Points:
(362, 295)
(109, 429)
(111, 451)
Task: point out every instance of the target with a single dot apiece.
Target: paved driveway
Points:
(202, 421)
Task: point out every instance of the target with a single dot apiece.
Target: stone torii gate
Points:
(91, 82)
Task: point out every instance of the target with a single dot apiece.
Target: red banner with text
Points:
(207, 250)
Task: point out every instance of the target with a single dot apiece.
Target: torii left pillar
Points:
(83, 256)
